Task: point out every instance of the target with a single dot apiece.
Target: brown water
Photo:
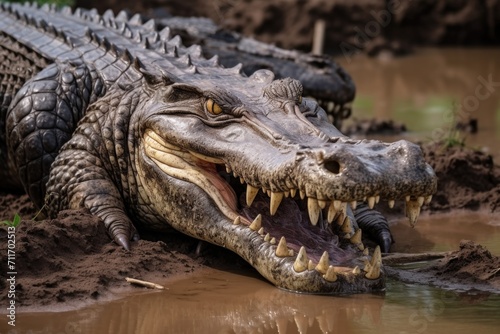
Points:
(225, 302)
(426, 89)
(417, 90)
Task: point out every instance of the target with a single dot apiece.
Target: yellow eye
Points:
(213, 107)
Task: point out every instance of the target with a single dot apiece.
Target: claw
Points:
(123, 241)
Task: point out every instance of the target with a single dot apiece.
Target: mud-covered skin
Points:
(127, 123)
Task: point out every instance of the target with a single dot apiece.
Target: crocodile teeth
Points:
(366, 251)
(251, 193)
(330, 275)
(322, 203)
(347, 227)
(375, 264)
(237, 220)
(276, 199)
(428, 199)
(332, 212)
(391, 203)
(377, 199)
(302, 194)
(228, 169)
(273, 241)
(354, 205)
(301, 263)
(257, 223)
(261, 231)
(412, 211)
(267, 237)
(313, 210)
(337, 204)
(357, 240)
(371, 202)
(310, 265)
(293, 192)
(323, 263)
(420, 200)
(282, 249)
(356, 270)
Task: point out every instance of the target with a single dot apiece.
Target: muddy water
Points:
(428, 89)
(224, 302)
(418, 90)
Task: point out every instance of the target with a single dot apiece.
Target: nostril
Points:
(332, 166)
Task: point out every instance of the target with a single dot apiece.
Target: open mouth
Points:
(297, 236)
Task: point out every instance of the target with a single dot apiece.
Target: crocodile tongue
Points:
(293, 223)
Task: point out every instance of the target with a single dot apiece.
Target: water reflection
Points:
(423, 89)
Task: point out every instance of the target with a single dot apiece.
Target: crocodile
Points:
(321, 77)
(108, 114)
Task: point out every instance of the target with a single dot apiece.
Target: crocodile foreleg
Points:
(374, 225)
(43, 115)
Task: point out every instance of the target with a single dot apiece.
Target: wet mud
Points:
(471, 267)
(70, 261)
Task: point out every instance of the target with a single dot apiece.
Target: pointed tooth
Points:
(412, 212)
(322, 203)
(347, 227)
(257, 223)
(323, 263)
(375, 264)
(337, 204)
(287, 194)
(343, 207)
(251, 193)
(313, 210)
(302, 194)
(366, 251)
(354, 204)
(237, 220)
(282, 249)
(371, 202)
(301, 261)
(356, 270)
(420, 200)
(276, 199)
(310, 265)
(428, 199)
(242, 181)
(330, 275)
(228, 169)
(356, 238)
(268, 238)
(331, 213)
(293, 192)
(261, 231)
(407, 198)
(273, 241)
(391, 203)
(376, 256)
(268, 192)
(377, 199)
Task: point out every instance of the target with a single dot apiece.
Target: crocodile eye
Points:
(213, 107)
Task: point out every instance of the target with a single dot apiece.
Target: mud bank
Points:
(471, 267)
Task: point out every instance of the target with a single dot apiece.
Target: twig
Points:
(400, 258)
(144, 283)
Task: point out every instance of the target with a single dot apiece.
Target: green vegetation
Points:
(58, 3)
(14, 222)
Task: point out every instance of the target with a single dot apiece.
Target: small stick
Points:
(144, 283)
(399, 258)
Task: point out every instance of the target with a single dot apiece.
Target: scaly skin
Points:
(147, 134)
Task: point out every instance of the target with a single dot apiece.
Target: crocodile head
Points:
(248, 164)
